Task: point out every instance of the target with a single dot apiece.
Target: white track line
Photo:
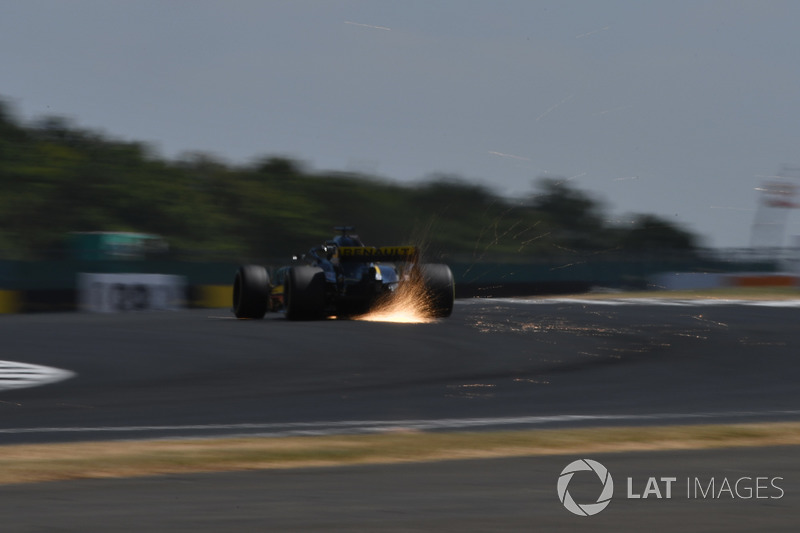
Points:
(380, 426)
(15, 375)
(640, 301)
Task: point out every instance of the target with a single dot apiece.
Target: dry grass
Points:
(49, 462)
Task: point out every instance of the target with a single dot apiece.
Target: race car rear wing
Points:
(371, 254)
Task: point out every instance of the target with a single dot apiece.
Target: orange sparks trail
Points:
(409, 304)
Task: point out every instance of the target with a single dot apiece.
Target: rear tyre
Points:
(305, 293)
(440, 286)
(250, 292)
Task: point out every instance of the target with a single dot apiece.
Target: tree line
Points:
(57, 178)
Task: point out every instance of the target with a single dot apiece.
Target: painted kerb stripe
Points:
(214, 296)
(9, 301)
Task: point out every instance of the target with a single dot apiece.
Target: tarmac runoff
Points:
(64, 461)
(764, 296)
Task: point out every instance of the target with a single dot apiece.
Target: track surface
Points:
(202, 373)
(558, 364)
(456, 496)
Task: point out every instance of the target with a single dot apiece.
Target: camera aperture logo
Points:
(586, 509)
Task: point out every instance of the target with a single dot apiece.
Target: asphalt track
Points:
(493, 364)
(517, 494)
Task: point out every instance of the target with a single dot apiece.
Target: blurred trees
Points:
(650, 233)
(57, 178)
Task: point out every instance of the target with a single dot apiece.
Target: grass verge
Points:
(51, 462)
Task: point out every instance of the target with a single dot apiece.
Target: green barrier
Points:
(62, 275)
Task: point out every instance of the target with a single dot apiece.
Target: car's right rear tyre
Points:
(305, 293)
(251, 292)
(440, 286)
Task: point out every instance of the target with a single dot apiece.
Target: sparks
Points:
(512, 156)
(409, 304)
(367, 25)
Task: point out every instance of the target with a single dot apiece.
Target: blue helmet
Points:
(347, 240)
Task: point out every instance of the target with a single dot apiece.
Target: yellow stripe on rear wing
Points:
(372, 254)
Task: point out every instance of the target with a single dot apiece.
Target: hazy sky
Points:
(670, 107)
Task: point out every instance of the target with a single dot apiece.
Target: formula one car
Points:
(342, 277)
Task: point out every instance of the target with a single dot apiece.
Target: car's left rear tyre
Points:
(304, 292)
(251, 292)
